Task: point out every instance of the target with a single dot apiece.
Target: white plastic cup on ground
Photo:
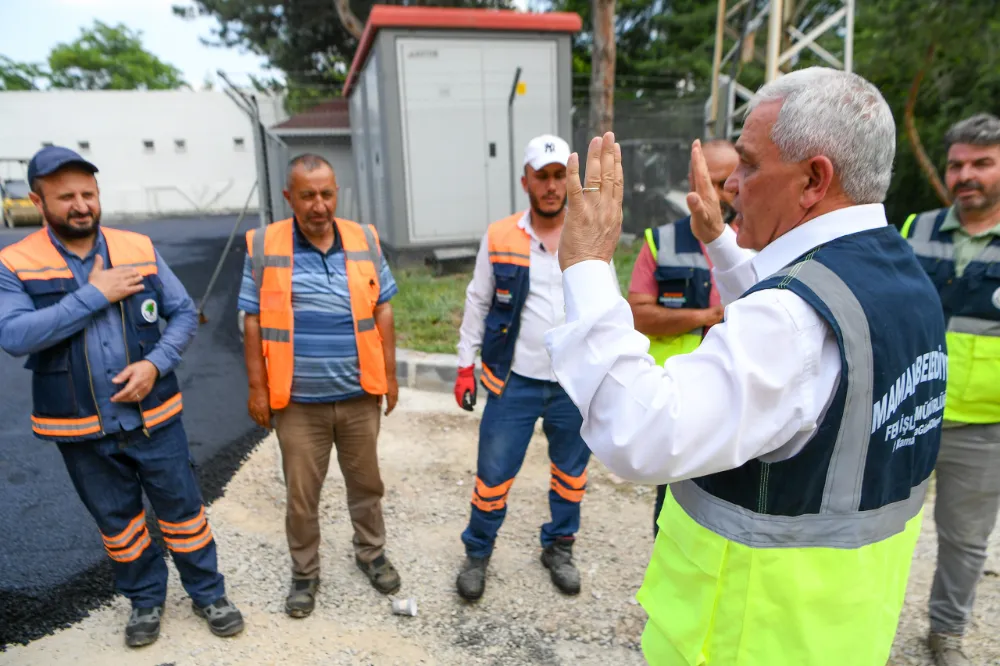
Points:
(404, 607)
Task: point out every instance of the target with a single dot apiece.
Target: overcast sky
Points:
(30, 28)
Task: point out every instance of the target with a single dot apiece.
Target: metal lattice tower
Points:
(792, 26)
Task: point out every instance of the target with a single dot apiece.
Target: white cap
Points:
(546, 149)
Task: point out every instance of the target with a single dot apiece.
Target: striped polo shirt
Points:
(326, 354)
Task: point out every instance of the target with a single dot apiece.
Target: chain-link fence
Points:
(656, 148)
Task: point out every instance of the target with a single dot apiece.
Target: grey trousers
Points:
(965, 511)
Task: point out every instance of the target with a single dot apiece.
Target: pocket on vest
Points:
(495, 338)
(983, 385)
(52, 389)
(505, 278)
(369, 275)
(676, 286)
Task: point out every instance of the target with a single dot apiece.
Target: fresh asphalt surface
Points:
(53, 568)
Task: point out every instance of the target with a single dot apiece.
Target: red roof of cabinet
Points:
(391, 16)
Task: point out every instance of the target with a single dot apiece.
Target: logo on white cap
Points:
(546, 149)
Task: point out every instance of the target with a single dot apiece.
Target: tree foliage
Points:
(103, 57)
(19, 76)
(891, 41)
(664, 42)
(108, 57)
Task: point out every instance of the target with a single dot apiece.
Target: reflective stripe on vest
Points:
(662, 347)
(918, 231)
(271, 260)
(667, 254)
(973, 392)
(839, 524)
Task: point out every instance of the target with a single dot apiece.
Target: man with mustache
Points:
(514, 297)
(320, 347)
(83, 302)
(959, 247)
(672, 295)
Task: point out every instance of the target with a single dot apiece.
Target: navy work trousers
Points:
(504, 433)
(110, 475)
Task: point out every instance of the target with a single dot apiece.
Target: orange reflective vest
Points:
(65, 407)
(271, 258)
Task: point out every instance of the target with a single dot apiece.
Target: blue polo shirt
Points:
(326, 353)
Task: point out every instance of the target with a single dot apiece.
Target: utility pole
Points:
(793, 26)
(602, 68)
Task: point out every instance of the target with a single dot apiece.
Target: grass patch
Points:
(428, 308)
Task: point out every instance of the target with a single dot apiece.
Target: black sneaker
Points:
(223, 618)
(301, 598)
(381, 573)
(143, 626)
(471, 580)
(558, 559)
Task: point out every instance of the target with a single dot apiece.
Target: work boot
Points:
(947, 650)
(471, 580)
(381, 573)
(143, 626)
(301, 598)
(223, 618)
(558, 559)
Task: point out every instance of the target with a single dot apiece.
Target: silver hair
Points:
(982, 129)
(839, 115)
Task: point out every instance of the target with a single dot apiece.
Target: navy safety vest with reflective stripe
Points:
(975, 295)
(971, 305)
(65, 407)
(510, 256)
(682, 273)
(864, 473)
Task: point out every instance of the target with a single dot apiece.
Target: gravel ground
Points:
(427, 448)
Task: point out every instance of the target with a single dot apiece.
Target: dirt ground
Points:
(428, 452)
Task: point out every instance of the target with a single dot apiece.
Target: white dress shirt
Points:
(757, 387)
(543, 309)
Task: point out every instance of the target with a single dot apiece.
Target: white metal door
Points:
(535, 111)
(444, 146)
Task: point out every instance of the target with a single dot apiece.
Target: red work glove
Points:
(465, 388)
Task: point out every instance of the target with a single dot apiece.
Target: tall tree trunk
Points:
(602, 68)
(348, 19)
(911, 131)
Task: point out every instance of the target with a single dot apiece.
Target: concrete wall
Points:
(196, 164)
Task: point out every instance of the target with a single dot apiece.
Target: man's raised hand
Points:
(594, 217)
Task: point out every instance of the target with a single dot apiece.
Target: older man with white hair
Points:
(799, 437)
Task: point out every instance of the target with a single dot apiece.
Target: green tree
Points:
(962, 77)
(108, 57)
(18, 75)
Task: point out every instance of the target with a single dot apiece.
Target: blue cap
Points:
(50, 159)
